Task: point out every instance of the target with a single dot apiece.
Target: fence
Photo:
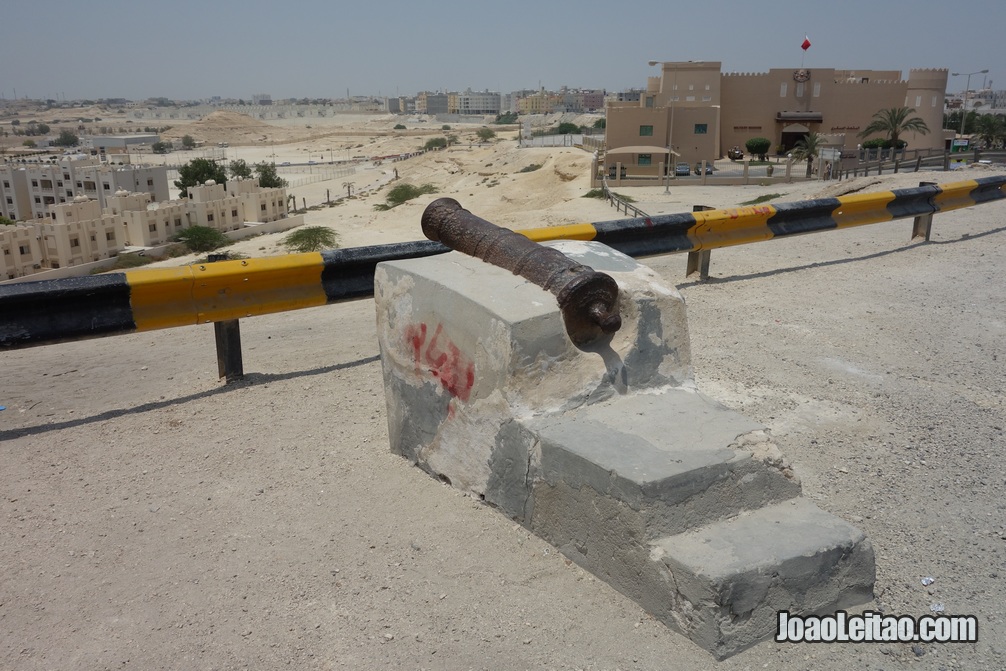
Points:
(39, 313)
(619, 203)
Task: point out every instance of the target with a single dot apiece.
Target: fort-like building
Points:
(699, 112)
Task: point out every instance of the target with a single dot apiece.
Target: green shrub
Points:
(530, 168)
(202, 238)
(594, 193)
(758, 146)
(399, 126)
(436, 143)
(311, 239)
(402, 193)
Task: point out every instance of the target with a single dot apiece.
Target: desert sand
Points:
(155, 518)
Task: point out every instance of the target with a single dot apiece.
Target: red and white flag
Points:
(806, 43)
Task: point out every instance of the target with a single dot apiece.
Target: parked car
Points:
(709, 168)
(682, 170)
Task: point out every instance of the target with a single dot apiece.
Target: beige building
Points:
(30, 189)
(20, 253)
(15, 199)
(700, 112)
(78, 233)
(82, 231)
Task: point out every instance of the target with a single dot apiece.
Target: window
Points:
(93, 239)
(66, 177)
(150, 182)
(152, 228)
(645, 159)
(59, 183)
(649, 101)
(934, 101)
(799, 89)
(707, 87)
(689, 99)
(74, 242)
(701, 128)
(209, 217)
(918, 101)
(234, 213)
(817, 89)
(38, 201)
(80, 185)
(22, 249)
(645, 131)
(10, 201)
(263, 207)
(178, 222)
(6, 184)
(105, 186)
(34, 183)
(109, 236)
(706, 99)
(782, 90)
(6, 252)
(691, 87)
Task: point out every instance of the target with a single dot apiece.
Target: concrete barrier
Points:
(608, 451)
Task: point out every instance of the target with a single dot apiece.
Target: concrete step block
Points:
(727, 581)
(677, 458)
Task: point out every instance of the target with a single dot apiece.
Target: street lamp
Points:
(967, 89)
(670, 131)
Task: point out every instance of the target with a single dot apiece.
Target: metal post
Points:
(228, 339)
(698, 262)
(923, 224)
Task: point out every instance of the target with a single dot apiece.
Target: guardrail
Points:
(52, 311)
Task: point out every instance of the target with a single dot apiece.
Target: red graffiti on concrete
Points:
(442, 359)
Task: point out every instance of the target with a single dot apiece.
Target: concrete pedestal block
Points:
(608, 451)
(466, 347)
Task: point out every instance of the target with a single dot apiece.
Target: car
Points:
(682, 170)
(709, 168)
(285, 163)
(310, 162)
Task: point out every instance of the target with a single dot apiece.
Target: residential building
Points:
(701, 112)
(476, 102)
(81, 230)
(431, 103)
(15, 198)
(78, 232)
(51, 183)
(20, 253)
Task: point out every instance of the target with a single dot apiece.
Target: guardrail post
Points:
(227, 334)
(923, 224)
(698, 262)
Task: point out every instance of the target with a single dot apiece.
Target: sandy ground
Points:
(154, 518)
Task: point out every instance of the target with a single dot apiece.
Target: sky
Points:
(188, 50)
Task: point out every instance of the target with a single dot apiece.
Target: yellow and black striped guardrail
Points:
(50, 311)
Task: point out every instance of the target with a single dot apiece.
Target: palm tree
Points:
(991, 128)
(893, 122)
(808, 148)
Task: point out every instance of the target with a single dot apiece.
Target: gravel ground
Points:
(155, 519)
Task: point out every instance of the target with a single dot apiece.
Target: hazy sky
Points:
(322, 48)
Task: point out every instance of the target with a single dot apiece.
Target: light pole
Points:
(670, 131)
(967, 89)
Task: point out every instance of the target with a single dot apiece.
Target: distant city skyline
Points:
(188, 50)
